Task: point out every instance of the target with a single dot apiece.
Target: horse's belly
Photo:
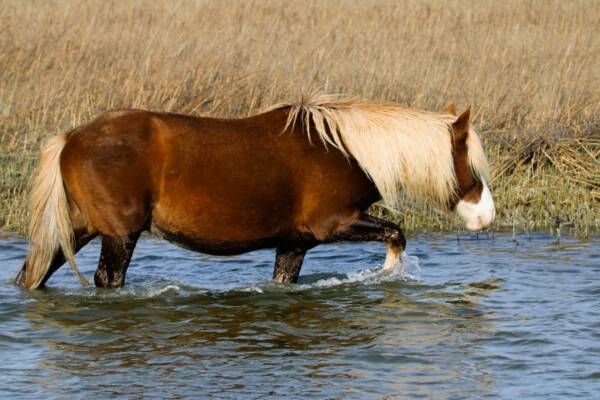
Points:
(223, 230)
(212, 245)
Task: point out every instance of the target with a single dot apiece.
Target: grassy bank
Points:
(530, 69)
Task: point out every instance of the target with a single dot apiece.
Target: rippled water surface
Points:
(466, 319)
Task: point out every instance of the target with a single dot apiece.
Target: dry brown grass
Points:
(530, 68)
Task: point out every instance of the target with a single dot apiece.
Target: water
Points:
(468, 319)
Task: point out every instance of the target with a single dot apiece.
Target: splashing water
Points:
(407, 269)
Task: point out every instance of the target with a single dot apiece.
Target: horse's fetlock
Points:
(101, 278)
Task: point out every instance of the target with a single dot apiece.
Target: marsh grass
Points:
(530, 69)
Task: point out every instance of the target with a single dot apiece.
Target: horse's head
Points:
(472, 200)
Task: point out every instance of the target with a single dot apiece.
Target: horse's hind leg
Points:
(81, 238)
(114, 259)
(288, 263)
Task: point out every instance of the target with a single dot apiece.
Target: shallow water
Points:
(490, 317)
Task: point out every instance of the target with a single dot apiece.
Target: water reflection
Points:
(402, 340)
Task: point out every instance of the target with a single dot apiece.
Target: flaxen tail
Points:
(50, 228)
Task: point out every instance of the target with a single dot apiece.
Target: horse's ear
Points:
(450, 109)
(461, 125)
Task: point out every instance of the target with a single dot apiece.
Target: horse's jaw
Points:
(477, 215)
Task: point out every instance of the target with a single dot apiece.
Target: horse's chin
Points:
(480, 215)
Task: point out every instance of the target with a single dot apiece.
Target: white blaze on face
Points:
(478, 215)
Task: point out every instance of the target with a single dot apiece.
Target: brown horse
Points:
(290, 178)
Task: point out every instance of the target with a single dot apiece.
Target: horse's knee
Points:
(395, 238)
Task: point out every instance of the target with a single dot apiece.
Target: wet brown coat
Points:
(217, 186)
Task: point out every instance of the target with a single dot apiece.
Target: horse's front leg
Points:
(363, 228)
(288, 263)
(369, 228)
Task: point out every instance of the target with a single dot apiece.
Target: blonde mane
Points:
(403, 151)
